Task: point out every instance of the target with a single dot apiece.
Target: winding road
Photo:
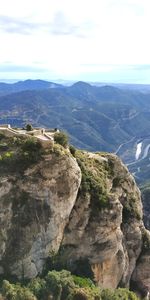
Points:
(141, 151)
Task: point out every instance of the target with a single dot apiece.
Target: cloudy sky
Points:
(93, 40)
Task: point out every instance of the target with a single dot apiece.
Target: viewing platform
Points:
(44, 136)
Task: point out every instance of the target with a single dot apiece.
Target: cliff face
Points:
(145, 192)
(108, 235)
(94, 225)
(34, 209)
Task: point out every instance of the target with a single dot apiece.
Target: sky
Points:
(90, 40)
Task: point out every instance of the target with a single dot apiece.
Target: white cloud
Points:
(67, 36)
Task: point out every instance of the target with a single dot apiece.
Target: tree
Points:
(29, 127)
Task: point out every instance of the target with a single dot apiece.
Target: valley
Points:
(97, 118)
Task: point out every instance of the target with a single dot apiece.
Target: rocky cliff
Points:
(145, 192)
(84, 211)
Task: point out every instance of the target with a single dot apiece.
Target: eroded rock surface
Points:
(141, 276)
(34, 210)
(94, 226)
(109, 236)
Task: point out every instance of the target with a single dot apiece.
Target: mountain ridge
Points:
(38, 84)
(96, 118)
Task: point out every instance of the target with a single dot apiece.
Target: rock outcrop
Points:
(108, 236)
(34, 210)
(140, 280)
(94, 226)
(145, 192)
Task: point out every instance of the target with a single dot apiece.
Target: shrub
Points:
(118, 294)
(29, 127)
(31, 145)
(31, 150)
(16, 292)
(62, 285)
(83, 282)
(61, 138)
(38, 287)
(72, 150)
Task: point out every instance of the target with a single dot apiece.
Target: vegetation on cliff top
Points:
(61, 286)
(17, 153)
(94, 174)
(61, 138)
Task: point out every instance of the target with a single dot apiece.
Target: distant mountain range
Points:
(7, 88)
(97, 118)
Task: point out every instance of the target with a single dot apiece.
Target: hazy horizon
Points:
(70, 82)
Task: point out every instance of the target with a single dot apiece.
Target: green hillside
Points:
(96, 118)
